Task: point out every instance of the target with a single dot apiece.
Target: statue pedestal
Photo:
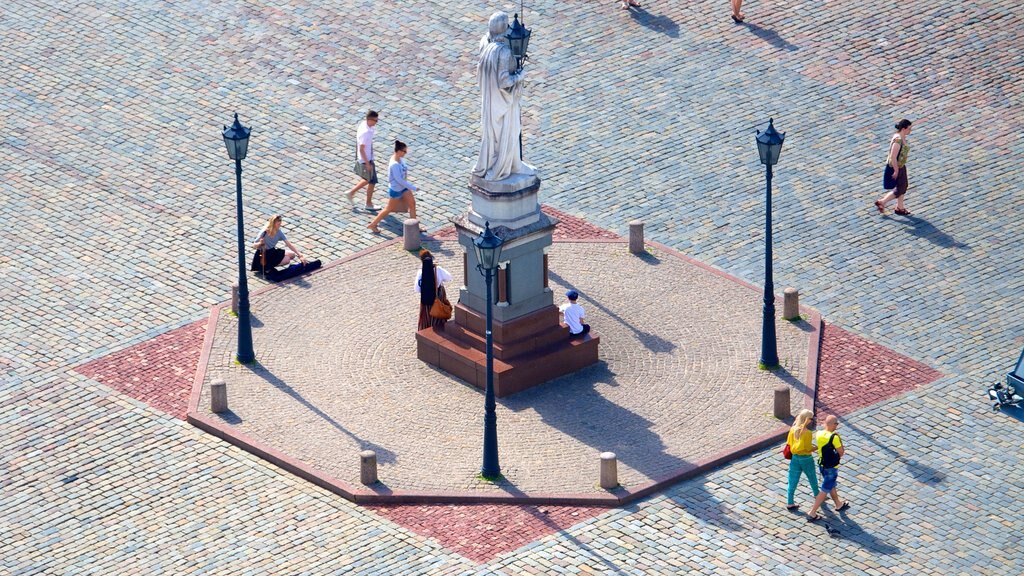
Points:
(530, 345)
(527, 351)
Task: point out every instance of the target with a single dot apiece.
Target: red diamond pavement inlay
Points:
(855, 373)
(158, 372)
(481, 532)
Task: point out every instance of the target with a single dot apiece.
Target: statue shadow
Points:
(662, 24)
(771, 37)
(921, 228)
(574, 405)
(383, 454)
(652, 342)
(254, 321)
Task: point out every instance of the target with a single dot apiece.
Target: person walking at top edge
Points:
(895, 175)
(365, 168)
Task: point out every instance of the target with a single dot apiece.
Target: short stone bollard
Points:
(411, 234)
(368, 467)
(790, 304)
(636, 237)
(781, 409)
(218, 396)
(234, 297)
(609, 470)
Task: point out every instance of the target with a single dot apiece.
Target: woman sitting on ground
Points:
(268, 255)
(399, 188)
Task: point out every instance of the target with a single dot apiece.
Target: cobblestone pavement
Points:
(116, 193)
(330, 382)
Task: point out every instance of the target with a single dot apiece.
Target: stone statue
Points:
(501, 87)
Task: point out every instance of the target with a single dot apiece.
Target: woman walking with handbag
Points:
(399, 188)
(801, 444)
(895, 175)
(435, 309)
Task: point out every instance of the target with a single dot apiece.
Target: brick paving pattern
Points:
(158, 372)
(856, 373)
(669, 359)
(117, 196)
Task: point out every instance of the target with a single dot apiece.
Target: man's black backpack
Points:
(829, 454)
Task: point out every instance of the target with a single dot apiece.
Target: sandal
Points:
(814, 518)
(737, 19)
(902, 212)
(880, 206)
(845, 506)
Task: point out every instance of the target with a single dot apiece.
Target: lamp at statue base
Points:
(530, 345)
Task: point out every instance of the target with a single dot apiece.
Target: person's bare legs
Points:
(288, 255)
(411, 203)
(736, 14)
(352, 192)
(889, 197)
(392, 204)
(369, 195)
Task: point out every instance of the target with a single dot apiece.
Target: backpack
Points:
(829, 454)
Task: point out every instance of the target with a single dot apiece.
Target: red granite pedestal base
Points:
(528, 350)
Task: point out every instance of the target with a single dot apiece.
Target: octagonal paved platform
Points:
(677, 388)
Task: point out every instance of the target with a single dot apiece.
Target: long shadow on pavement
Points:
(662, 24)
(771, 37)
(921, 228)
(850, 530)
(577, 408)
(652, 342)
(383, 454)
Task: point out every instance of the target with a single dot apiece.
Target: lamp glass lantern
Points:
(518, 40)
(488, 248)
(236, 139)
(769, 144)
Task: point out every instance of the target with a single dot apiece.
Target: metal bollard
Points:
(368, 467)
(781, 409)
(411, 234)
(234, 297)
(609, 471)
(790, 304)
(218, 396)
(636, 237)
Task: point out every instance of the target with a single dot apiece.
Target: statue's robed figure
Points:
(501, 87)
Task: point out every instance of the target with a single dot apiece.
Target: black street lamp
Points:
(236, 138)
(488, 252)
(519, 40)
(769, 146)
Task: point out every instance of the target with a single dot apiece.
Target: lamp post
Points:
(519, 41)
(488, 252)
(769, 146)
(236, 138)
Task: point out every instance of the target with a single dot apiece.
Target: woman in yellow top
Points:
(801, 443)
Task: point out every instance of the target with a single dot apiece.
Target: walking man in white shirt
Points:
(574, 315)
(365, 168)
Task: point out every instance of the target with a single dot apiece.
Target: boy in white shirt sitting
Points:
(574, 315)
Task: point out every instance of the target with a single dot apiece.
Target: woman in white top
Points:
(399, 188)
(430, 290)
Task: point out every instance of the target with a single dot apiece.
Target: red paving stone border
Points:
(158, 372)
(856, 373)
(482, 532)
